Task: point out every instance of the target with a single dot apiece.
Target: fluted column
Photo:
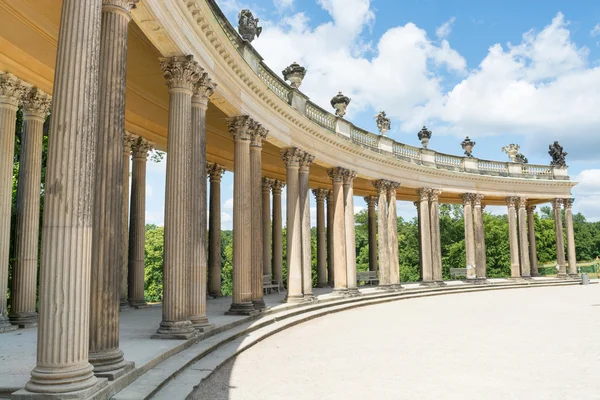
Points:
(560, 241)
(63, 325)
(267, 184)
(215, 173)
(570, 238)
(515, 271)
(181, 74)
(533, 259)
(330, 267)
(320, 195)
(203, 89)
(304, 197)
(292, 157)
(11, 93)
(417, 204)
(469, 234)
(105, 354)
(257, 136)
(372, 229)
(339, 231)
(382, 234)
(349, 177)
(137, 223)
(277, 234)
(392, 225)
(478, 229)
(240, 128)
(436, 244)
(523, 241)
(23, 311)
(129, 140)
(425, 235)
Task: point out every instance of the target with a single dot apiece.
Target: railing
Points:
(406, 152)
(530, 169)
(493, 166)
(446, 160)
(364, 138)
(320, 116)
(280, 89)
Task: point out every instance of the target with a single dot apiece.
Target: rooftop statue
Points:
(512, 150)
(340, 103)
(295, 74)
(248, 26)
(383, 123)
(424, 136)
(467, 146)
(557, 154)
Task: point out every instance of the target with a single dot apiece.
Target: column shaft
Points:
(292, 158)
(392, 225)
(382, 234)
(570, 238)
(419, 224)
(137, 224)
(515, 271)
(425, 234)
(436, 244)
(215, 173)
(469, 234)
(129, 140)
(560, 241)
(267, 183)
(304, 196)
(480, 256)
(105, 354)
(257, 136)
(23, 310)
(63, 333)
(372, 227)
(350, 233)
(339, 231)
(523, 242)
(320, 195)
(533, 259)
(181, 74)
(277, 234)
(330, 266)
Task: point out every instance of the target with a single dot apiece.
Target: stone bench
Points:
(368, 277)
(269, 285)
(454, 272)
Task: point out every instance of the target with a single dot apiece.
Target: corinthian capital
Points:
(214, 171)
(530, 209)
(278, 186)
(522, 202)
(258, 134)
(568, 203)
(12, 90)
(371, 201)
(468, 198)
(307, 160)
(128, 141)
(557, 203)
(477, 200)
(380, 185)
(119, 6)
(292, 156)
(240, 127)
(349, 177)
(203, 90)
(180, 72)
(320, 194)
(267, 184)
(337, 174)
(512, 201)
(424, 194)
(141, 147)
(434, 196)
(36, 103)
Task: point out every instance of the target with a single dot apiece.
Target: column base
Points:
(215, 295)
(178, 330)
(476, 281)
(398, 287)
(109, 364)
(427, 283)
(385, 288)
(259, 304)
(5, 325)
(138, 304)
(353, 292)
(75, 382)
(295, 299)
(440, 283)
(562, 275)
(323, 285)
(535, 274)
(339, 292)
(574, 276)
(24, 320)
(246, 308)
(123, 304)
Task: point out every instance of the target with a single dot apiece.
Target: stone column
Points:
(436, 244)
(277, 234)
(570, 238)
(304, 196)
(320, 195)
(523, 242)
(469, 234)
(181, 74)
(215, 173)
(533, 260)
(372, 226)
(107, 213)
(24, 288)
(417, 205)
(137, 223)
(66, 252)
(339, 231)
(560, 241)
(425, 236)
(203, 89)
(382, 234)
(257, 136)
(11, 92)
(292, 157)
(267, 184)
(480, 256)
(240, 128)
(129, 140)
(392, 225)
(350, 233)
(330, 267)
(515, 271)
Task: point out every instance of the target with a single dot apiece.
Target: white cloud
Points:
(587, 193)
(149, 191)
(283, 4)
(444, 30)
(595, 31)
(228, 205)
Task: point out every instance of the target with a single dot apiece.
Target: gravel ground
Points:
(539, 343)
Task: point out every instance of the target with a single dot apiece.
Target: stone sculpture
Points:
(424, 136)
(383, 122)
(512, 150)
(340, 103)
(557, 154)
(295, 74)
(248, 26)
(467, 146)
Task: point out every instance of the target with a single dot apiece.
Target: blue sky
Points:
(524, 72)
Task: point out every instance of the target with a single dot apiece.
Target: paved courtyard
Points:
(539, 343)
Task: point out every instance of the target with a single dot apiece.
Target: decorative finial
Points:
(340, 103)
(248, 26)
(467, 146)
(512, 150)
(424, 136)
(295, 74)
(383, 122)
(557, 154)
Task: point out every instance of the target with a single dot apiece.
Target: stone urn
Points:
(512, 150)
(383, 123)
(294, 73)
(467, 146)
(340, 103)
(424, 136)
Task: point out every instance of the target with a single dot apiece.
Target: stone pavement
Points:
(513, 344)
